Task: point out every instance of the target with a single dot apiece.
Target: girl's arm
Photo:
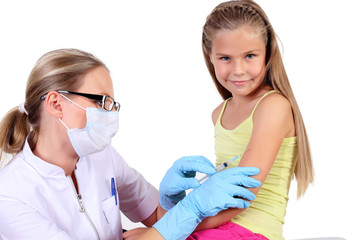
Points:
(273, 121)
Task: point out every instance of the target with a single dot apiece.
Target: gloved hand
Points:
(214, 195)
(180, 177)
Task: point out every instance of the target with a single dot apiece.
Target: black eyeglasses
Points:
(106, 102)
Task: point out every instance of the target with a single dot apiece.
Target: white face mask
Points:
(100, 127)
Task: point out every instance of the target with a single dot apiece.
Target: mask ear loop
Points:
(73, 103)
(64, 124)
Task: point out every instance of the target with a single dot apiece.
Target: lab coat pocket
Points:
(112, 215)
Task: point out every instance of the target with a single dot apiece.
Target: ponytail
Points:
(14, 129)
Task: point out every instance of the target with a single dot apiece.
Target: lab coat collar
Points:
(39, 165)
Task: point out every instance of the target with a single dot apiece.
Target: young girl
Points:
(259, 119)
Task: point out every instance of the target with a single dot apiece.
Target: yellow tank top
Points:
(267, 212)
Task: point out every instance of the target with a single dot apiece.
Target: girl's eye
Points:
(225, 58)
(250, 56)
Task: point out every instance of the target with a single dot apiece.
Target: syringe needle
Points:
(220, 167)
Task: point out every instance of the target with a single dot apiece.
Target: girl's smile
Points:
(238, 57)
(239, 83)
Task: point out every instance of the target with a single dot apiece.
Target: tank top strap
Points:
(223, 109)
(253, 111)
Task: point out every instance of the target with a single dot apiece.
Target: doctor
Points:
(67, 182)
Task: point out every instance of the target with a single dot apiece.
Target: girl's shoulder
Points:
(217, 111)
(275, 111)
(274, 102)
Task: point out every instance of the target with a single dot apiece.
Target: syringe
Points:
(219, 168)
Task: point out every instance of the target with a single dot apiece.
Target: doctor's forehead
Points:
(97, 81)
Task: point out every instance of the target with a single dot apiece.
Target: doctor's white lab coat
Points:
(37, 200)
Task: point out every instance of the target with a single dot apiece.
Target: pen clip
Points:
(113, 190)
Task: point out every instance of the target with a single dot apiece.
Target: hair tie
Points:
(22, 109)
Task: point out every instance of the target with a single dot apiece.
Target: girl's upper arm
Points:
(273, 121)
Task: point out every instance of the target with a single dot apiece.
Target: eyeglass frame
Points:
(96, 97)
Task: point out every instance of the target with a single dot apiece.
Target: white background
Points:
(153, 49)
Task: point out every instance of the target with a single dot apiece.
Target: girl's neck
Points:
(240, 100)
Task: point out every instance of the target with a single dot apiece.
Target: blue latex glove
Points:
(214, 195)
(180, 177)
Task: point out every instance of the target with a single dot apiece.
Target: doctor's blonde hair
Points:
(232, 15)
(56, 70)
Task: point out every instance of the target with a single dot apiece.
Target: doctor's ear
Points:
(53, 104)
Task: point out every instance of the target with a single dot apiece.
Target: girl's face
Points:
(238, 57)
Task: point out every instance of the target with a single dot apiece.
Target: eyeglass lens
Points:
(109, 104)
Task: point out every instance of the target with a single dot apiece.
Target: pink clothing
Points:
(228, 231)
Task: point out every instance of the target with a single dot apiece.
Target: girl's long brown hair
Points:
(232, 15)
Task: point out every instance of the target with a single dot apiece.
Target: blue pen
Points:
(113, 189)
